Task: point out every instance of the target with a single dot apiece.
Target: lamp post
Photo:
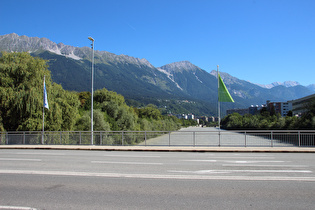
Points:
(90, 38)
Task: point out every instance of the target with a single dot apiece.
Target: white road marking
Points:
(238, 161)
(245, 157)
(199, 160)
(17, 207)
(127, 163)
(19, 159)
(159, 176)
(132, 156)
(28, 153)
(247, 165)
(241, 171)
(256, 161)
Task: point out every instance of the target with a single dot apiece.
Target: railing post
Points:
(145, 138)
(271, 139)
(122, 138)
(7, 138)
(80, 141)
(299, 133)
(169, 138)
(245, 139)
(43, 137)
(194, 138)
(60, 137)
(23, 137)
(101, 139)
(219, 138)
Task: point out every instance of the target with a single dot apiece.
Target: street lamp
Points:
(90, 38)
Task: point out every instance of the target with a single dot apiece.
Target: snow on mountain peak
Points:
(275, 84)
(180, 66)
(14, 42)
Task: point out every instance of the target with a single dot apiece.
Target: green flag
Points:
(224, 95)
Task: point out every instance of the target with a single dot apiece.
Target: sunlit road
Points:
(51, 179)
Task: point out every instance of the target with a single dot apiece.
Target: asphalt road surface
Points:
(51, 179)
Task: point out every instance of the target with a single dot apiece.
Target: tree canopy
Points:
(21, 103)
(21, 88)
(270, 120)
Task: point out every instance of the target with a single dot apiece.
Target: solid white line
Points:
(26, 153)
(199, 160)
(128, 163)
(238, 161)
(247, 165)
(245, 157)
(132, 156)
(17, 207)
(243, 171)
(19, 159)
(256, 161)
(159, 176)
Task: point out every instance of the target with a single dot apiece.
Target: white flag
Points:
(45, 96)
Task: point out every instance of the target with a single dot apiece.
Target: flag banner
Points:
(45, 97)
(224, 95)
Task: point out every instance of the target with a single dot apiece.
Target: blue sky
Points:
(261, 41)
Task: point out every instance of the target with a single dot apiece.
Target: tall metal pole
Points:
(90, 38)
(219, 114)
(43, 111)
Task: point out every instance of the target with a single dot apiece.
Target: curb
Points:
(163, 149)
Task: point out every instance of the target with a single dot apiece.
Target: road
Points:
(51, 179)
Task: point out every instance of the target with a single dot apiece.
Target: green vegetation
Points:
(21, 103)
(21, 88)
(270, 120)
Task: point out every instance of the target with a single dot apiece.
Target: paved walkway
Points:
(198, 136)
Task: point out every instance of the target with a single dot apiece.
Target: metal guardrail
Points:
(249, 138)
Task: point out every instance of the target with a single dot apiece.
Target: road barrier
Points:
(213, 138)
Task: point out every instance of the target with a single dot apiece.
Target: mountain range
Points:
(179, 87)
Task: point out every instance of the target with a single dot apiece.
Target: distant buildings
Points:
(185, 116)
(298, 107)
(250, 110)
(279, 107)
(209, 119)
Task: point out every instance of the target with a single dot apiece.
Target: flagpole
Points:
(43, 111)
(219, 113)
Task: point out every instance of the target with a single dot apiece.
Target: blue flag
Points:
(45, 96)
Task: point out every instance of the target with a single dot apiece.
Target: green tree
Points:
(149, 112)
(21, 95)
(85, 99)
(99, 122)
(67, 104)
(21, 90)
(117, 113)
(307, 121)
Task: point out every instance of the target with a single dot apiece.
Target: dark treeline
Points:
(21, 103)
(268, 119)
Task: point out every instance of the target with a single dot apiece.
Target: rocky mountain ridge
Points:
(285, 84)
(138, 80)
(13, 42)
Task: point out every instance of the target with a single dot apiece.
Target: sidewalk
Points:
(163, 148)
